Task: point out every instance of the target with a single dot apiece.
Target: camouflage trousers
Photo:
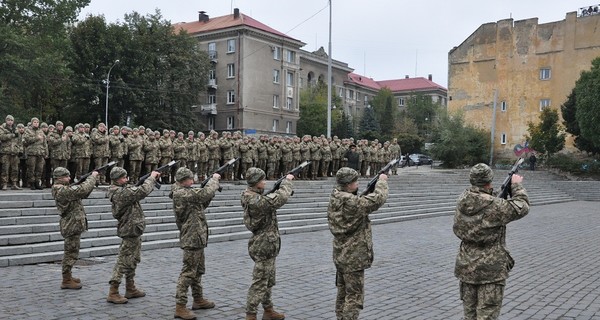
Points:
(127, 260)
(271, 167)
(35, 169)
(135, 167)
(263, 280)
(71, 253)
(191, 164)
(482, 301)
(262, 164)
(213, 165)
(83, 165)
(99, 162)
(350, 294)
(244, 167)
(191, 275)
(165, 176)
(10, 169)
(202, 166)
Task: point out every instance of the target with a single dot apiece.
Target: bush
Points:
(574, 166)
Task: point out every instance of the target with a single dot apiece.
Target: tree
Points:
(423, 111)
(313, 110)
(408, 135)
(385, 111)
(343, 127)
(369, 127)
(587, 108)
(569, 115)
(546, 136)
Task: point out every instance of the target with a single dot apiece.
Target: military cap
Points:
(9, 117)
(165, 131)
(43, 125)
(35, 119)
(101, 124)
(51, 126)
(59, 123)
(126, 128)
(183, 174)
(346, 176)
(172, 132)
(213, 132)
(135, 129)
(481, 174)
(200, 134)
(180, 134)
(69, 129)
(190, 133)
(20, 125)
(79, 125)
(254, 175)
(117, 173)
(115, 127)
(141, 128)
(60, 172)
(86, 125)
(148, 131)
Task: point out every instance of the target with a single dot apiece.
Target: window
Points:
(229, 123)
(503, 106)
(212, 50)
(357, 96)
(289, 103)
(350, 94)
(275, 125)
(545, 73)
(276, 101)
(212, 98)
(212, 74)
(230, 45)
(366, 100)
(230, 70)
(211, 123)
(288, 127)
(341, 92)
(275, 76)
(290, 79)
(544, 103)
(230, 97)
(400, 102)
(277, 53)
(290, 56)
(503, 138)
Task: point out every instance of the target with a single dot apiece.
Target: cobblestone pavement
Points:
(556, 275)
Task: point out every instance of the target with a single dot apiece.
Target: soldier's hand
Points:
(516, 178)
(383, 177)
(216, 176)
(155, 174)
(290, 177)
(95, 174)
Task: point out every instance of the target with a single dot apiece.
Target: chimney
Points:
(236, 13)
(406, 77)
(202, 16)
(430, 77)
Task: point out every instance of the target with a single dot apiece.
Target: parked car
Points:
(419, 159)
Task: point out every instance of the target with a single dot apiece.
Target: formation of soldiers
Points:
(29, 153)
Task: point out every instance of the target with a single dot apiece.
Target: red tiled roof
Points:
(363, 81)
(410, 84)
(225, 22)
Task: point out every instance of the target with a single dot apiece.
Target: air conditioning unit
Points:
(290, 92)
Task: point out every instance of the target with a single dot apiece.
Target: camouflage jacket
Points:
(260, 217)
(272, 153)
(126, 207)
(348, 218)
(334, 150)
(226, 145)
(35, 142)
(189, 204)
(152, 150)
(315, 151)
(192, 149)
(116, 143)
(480, 222)
(9, 140)
(80, 145)
(246, 153)
(59, 145)
(214, 150)
(202, 151)
(180, 151)
(261, 149)
(135, 147)
(68, 203)
(296, 152)
(286, 152)
(166, 147)
(305, 151)
(326, 152)
(99, 144)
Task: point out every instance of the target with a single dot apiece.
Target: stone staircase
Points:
(29, 231)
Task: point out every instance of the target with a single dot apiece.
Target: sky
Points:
(381, 39)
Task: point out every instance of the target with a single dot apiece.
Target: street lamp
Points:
(107, 86)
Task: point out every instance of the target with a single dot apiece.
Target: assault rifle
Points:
(371, 185)
(294, 172)
(100, 170)
(505, 190)
(161, 170)
(220, 171)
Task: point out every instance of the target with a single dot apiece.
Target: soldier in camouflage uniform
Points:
(127, 210)
(166, 153)
(189, 204)
(316, 157)
(226, 144)
(287, 155)
(9, 153)
(36, 147)
(395, 153)
(260, 217)
(246, 155)
(100, 151)
(348, 218)
(272, 158)
(327, 156)
(202, 157)
(192, 151)
(73, 221)
(152, 151)
(263, 156)
(180, 153)
(214, 151)
(135, 145)
(483, 261)
(79, 150)
(117, 146)
(58, 143)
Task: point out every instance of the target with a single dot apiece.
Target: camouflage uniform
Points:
(58, 142)
(260, 218)
(315, 157)
(483, 261)
(246, 155)
(180, 153)
(73, 221)
(327, 156)
(80, 150)
(188, 205)
(166, 154)
(116, 142)
(135, 145)
(214, 151)
(36, 147)
(127, 210)
(395, 153)
(348, 218)
(202, 156)
(192, 151)
(305, 155)
(227, 145)
(272, 159)
(10, 147)
(263, 156)
(286, 155)
(100, 151)
(152, 150)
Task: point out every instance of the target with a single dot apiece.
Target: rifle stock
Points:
(160, 169)
(101, 169)
(220, 171)
(371, 185)
(505, 189)
(294, 172)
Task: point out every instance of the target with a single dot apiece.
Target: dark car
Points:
(419, 159)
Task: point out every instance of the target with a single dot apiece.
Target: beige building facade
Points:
(524, 67)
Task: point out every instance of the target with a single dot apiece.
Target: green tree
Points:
(545, 136)
(423, 111)
(343, 127)
(569, 115)
(587, 95)
(369, 127)
(408, 135)
(313, 110)
(385, 110)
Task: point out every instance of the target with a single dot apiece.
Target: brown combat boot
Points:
(131, 291)
(271, 314)
(114, 296)
(250, 316)
(182, 312)
(69, 283)
(201, 303)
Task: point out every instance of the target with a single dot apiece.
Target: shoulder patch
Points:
(271, 195)
(74, 187)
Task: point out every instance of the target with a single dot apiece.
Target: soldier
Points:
(116, 143)
(47, 174)
(315, 156)
(152, 150)
(166, 153)
(260, 217)
(226, 145)
(246, 155)
(79, 150)
(100, 144)
(327, 156)
(180, 153)
(395, 153)
(73, 221)
(202, 157)
(214, 151)
(483, 261)
(189, 204)
(36, 148)
(135, 145)
(305, 155)
(127, 210)
(272, 158)
(287, 155)
(10, 147)
(334, 145)
(58, 143)
(87, 160)
(263, 156)
(348, 218)
(296, 155)
(192, 152)
(22, 155)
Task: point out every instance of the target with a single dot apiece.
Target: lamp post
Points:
(329, 84)
(107, 86)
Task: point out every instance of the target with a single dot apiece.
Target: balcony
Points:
(212, 55)
(208, 109)
(212, 84)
